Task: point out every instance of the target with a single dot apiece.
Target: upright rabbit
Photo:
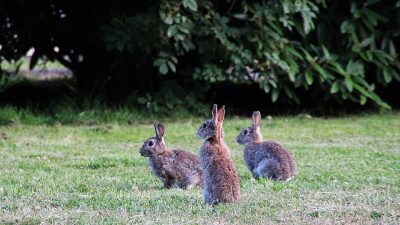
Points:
(265, 158)
(171, 166)
(221, 183)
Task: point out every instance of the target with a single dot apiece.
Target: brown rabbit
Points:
(171, 166)
(265, 158)
(221, 183)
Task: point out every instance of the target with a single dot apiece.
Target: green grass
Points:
(90, 114)
(91, 173)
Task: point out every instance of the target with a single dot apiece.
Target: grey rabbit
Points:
(221, 182)
(265, 158)
(171, 166)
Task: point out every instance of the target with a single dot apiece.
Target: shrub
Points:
(344, 49)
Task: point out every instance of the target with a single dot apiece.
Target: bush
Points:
(344, 49)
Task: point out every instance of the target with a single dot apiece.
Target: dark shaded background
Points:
(112, 48)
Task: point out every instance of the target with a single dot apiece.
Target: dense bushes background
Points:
(167, 54)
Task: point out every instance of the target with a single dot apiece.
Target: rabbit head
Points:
(155, 145)
(253, 133)
(212, 128)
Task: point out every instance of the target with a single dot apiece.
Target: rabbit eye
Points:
(204, 125)
(151, 143)
(245, 132)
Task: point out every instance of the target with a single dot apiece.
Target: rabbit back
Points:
(221, 183)
(269, 159)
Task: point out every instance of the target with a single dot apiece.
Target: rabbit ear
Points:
(159, 130)
(256, 119)
(214, 114)
(221, 114)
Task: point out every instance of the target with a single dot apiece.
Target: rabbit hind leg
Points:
(267, 168)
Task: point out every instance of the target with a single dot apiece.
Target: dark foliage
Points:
(342, 50)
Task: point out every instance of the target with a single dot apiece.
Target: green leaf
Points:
(369, 55)
(383, 56)
(363, 100)
(367, 41)
(321, 71)
(183, 29)
(326, 53)
(169, 20)
(273, 83)
(171, 31)
(172, 66)
(240, 16)
(372, 96)
(346, 26)
(191, 4)
(163, 54)
(338, 68)
(274, 95)
(174, 59)
(335, 87)
(387, 76)
(292, 77)
(357, 13)
(179, 37)
(309, 77)
(392, 48)
(163, 69)
(371, 87)
(295, 53)
(266, 88)
(187, 45)
(349, 84)
(373, 16)
(158, 62)
(355, 68)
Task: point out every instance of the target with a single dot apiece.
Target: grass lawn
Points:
(91, 173)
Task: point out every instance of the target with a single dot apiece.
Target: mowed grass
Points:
(348, 172)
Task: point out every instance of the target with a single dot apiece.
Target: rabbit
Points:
(171, 166)
(265, 158)
(221, 182)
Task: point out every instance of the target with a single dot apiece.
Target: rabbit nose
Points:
(238, 139)
(142, 152)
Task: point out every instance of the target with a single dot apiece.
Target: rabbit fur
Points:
(267, 159)
(221, 182)
(177, 167)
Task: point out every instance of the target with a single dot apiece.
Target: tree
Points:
(342, 49)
